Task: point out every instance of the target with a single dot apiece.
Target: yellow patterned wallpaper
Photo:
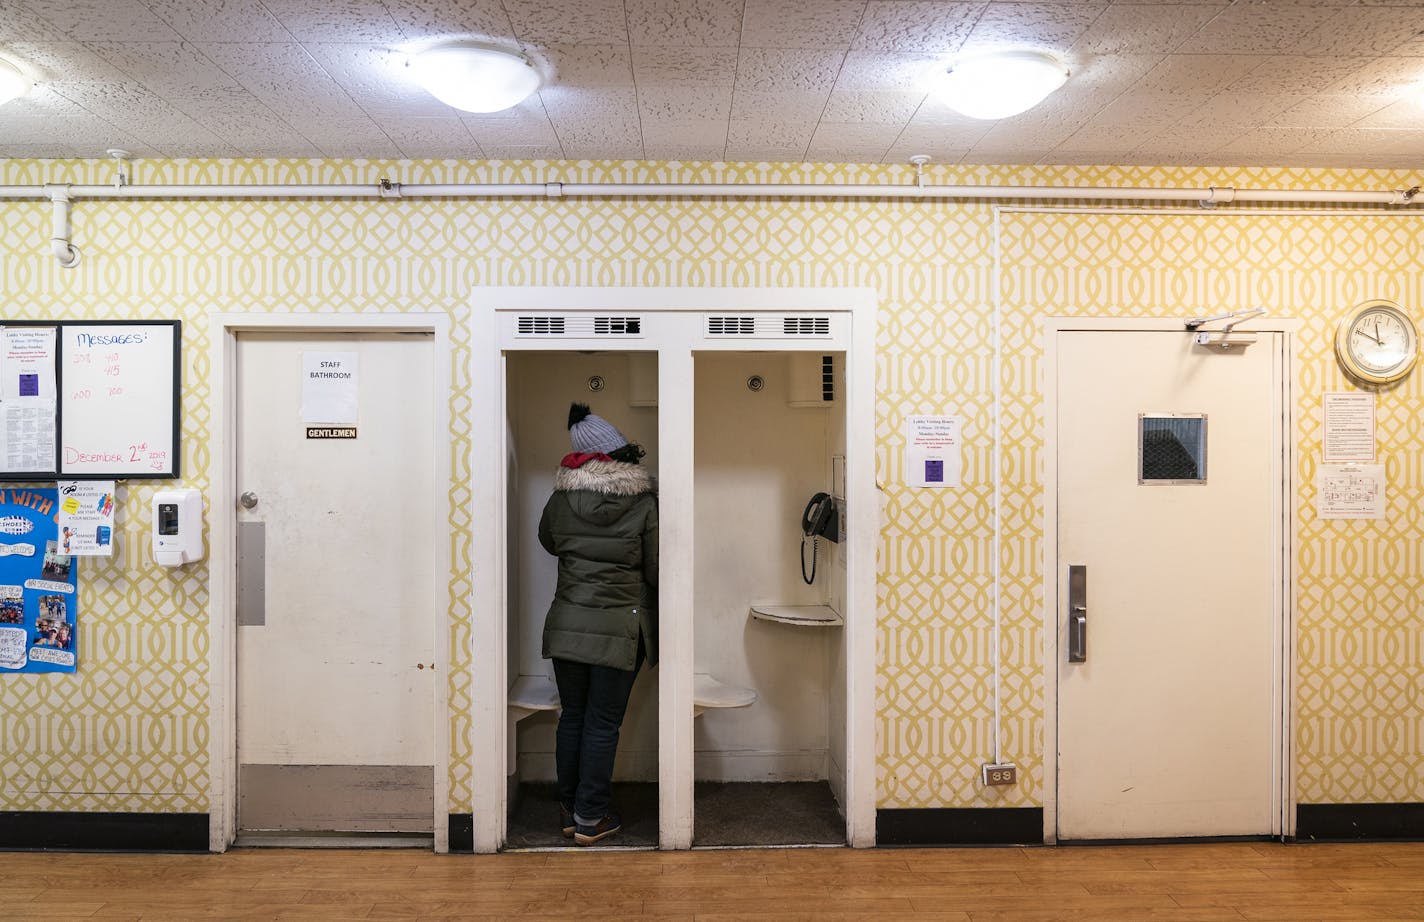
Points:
(129, 731)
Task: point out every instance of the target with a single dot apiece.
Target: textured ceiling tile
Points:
(42, 101)
(377, 79)
(194, 143)
(55, 63)
(800, 23)
(684, 23)
(850, 143)
(769, 107)
(685, 141)
(1197, 73)
(684, 104)
(880, 70)
(869, 107)
(165, 67)
(1392, 77)
(581, 118)
(1131, 28)
(1054, 26)
(1239, 110)
(206, 20)
(1363, 31)
(335, 20)
(1353, 141)
(1328, 110)
(349, 137)
(569, 22)
(591, 66)
(778, 134)
(939, 150)
(104, 20)
(1405, 115)
(917, 25)
(684, 67)
(797, 71)
(285, 78)
(1293, 75)
(1272, 142)
(1137, 115)
(526, 129)
(1257, 28)
(435, 19)
(19, 23)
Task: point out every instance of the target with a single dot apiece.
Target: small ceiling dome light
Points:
(475, 78)
(13, 82)
(999, 85)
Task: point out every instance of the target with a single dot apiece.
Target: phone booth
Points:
(756, 408)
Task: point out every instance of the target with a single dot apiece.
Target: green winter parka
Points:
(602, 524)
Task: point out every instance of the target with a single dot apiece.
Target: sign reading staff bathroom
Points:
(932, 451)
(329, 385)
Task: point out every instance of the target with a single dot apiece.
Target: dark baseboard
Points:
(121, 832)
(462, 832)
(959, 826)
(1340, 822)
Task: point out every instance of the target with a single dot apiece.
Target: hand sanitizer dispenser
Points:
(177, 527)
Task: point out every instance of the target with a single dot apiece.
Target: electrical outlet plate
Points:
(996, 773)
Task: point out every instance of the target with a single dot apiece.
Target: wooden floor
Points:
(1169, 882)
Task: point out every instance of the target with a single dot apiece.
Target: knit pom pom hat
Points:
(591, 433)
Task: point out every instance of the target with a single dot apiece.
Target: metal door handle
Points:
(1077, 614)
(248, 499)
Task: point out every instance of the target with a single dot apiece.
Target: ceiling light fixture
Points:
(475, 78)
(999, 85)
(13, 82)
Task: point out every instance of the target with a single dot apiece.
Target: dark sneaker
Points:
(590, 835)
(566, 820)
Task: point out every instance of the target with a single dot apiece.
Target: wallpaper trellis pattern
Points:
(129, 731)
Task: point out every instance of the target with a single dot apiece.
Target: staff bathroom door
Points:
(1170, 561)
(335, 651)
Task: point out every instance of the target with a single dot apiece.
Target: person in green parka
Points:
(602, 524)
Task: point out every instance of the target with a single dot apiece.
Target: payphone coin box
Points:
(177, 527)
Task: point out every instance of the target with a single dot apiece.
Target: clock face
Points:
(1376, 342)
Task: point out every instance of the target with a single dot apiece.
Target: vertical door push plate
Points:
(1077, 614)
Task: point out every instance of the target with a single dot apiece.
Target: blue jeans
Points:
(593, 700)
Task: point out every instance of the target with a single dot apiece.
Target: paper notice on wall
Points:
(1350, 491)
(329, 388)
(932, 451)
(86, 517)
(27, 399)
(1349, 427)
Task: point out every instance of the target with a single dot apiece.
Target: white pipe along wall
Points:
(61, 194)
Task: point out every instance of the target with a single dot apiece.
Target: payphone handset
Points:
(818, 520)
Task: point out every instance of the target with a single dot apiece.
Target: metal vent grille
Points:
(541, 326)
(828, 378)
(617, 326)
(731, 326)
(766, 326)
(806, 326)
(578, 325)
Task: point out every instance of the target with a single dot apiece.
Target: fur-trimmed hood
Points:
(614, 478)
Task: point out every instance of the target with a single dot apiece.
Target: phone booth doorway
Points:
(756, 408)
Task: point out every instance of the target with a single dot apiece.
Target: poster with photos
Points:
(38, 619)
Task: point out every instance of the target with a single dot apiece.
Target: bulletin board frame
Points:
(164, 418)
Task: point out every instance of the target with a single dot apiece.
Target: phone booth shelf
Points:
(799, 615)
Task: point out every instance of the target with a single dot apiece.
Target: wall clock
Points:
(1376, 342)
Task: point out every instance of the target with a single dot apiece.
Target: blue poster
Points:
(37, 614)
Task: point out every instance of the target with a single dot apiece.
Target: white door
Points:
(1167, 727)
(336, 665)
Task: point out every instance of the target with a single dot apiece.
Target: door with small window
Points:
(1170, 561)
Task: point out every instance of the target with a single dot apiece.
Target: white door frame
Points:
(489, 678)
(1285, 529)
(222, 531)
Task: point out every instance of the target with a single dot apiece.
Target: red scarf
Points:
(577, 459)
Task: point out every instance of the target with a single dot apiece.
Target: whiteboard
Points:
(118, 399)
